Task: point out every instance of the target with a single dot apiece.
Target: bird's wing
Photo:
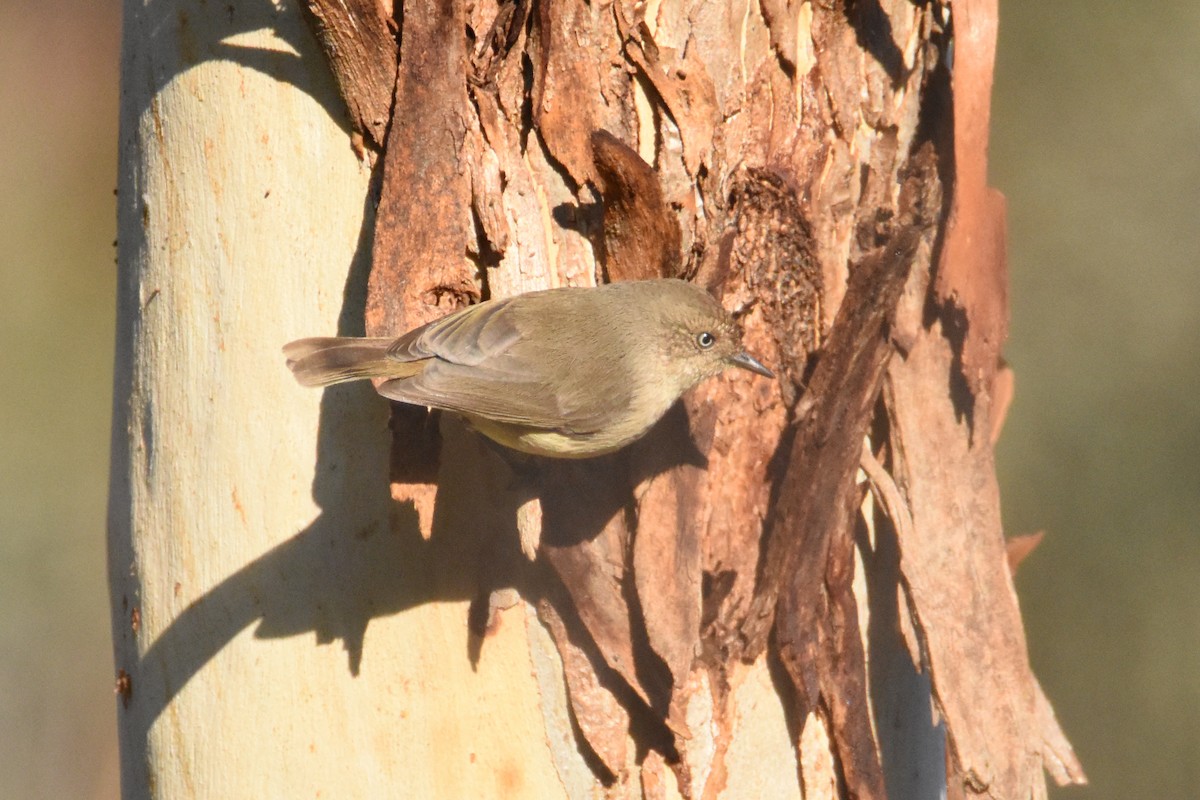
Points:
(482, 392)
(482, 363)
(467, 337)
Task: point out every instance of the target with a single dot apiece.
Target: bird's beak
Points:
(747, 361)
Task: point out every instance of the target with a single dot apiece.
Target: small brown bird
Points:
(567, 373)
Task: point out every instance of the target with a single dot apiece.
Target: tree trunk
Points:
(727, 609)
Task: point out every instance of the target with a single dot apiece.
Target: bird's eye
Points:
(706, 340)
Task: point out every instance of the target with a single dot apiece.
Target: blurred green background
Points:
(1096, 142)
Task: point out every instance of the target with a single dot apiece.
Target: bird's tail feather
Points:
(324, 361)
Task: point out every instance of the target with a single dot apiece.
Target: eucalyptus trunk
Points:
(792, 588)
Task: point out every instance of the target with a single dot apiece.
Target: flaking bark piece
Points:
(955, 567)
(844, 678)
(586, 539)
(972, 273)
(781, 18)
(806, 587)
(362, 54)
(641, 234)
(603, 721)
(806, 590)
(819, 642)
(418, 259)
(684, 87)
(565, 79)
(667, 552)
(1019, 548)
(832, 418)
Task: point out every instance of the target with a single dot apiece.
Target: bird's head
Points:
(702, 339)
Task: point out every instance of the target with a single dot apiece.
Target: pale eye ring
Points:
(705, 340)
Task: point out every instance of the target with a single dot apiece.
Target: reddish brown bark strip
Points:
(954, 560)
(564, 82)
(972, 274)
(418, 270)
(641, 235)
(955, 566)
(817, 487)
(362, 54)
(817, 633)
(601, 718)
(666, 558)
(421, 228)
(844, 684)
(809, 564)
(586, 540)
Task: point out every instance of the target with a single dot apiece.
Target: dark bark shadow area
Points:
(901, 695)
(362, 557)
(592, 599)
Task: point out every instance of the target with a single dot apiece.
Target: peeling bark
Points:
(356, 38)
(641, 235)
(419, 270)
(956, 571)
(972, 274)
(816, 167)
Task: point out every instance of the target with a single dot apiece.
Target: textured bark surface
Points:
(356, 37)
(418, 273)
(726, 608)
